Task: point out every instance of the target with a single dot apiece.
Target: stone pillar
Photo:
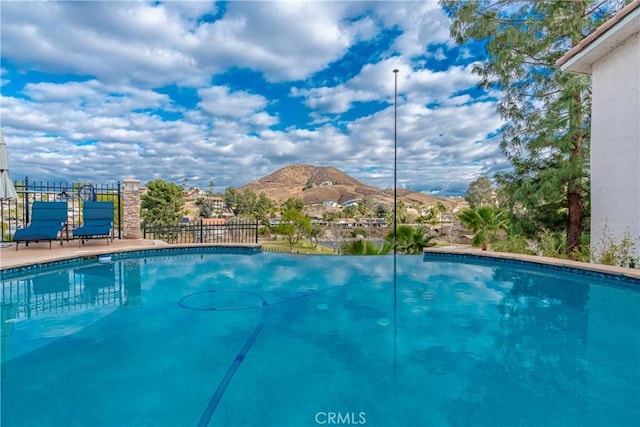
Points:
(131, 209)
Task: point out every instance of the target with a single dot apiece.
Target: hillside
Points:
(291, 181)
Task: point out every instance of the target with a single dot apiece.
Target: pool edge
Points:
(25, 266)
(630, 273)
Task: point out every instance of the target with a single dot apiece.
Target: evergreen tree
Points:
(294, 203)
(479, 193)
(163, 203)
(546, 111)
(246, 203)
(206, 207)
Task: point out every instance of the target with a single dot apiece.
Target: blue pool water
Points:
(306, 341)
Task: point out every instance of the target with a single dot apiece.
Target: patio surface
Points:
(39, 252)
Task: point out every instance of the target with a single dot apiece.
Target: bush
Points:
(359, 231)
(515, 244)
(552, 244)
(608, 251)
(363, 247)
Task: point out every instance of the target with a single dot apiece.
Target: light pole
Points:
(395, 224)
(395, 161)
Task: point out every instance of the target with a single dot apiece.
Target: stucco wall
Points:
(615, 143)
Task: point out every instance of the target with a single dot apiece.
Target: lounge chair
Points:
(98, 221)
(48, 219)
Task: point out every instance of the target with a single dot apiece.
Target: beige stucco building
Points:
(611, 55)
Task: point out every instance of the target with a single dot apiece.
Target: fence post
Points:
(256, 231)
(131, 201)
(201, 231)
(27, 216)
(119, 212)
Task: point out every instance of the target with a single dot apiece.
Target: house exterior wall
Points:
(615, 144)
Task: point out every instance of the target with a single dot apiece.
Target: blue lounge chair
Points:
(98, 221)
(48, 219)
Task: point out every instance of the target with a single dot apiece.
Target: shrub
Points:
(359, 231)
(516, 244)
(363, 247)
(608, 251)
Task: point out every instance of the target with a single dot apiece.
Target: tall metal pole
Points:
(395, 161)
(395, 225)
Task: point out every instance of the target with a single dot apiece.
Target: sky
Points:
(196, 92)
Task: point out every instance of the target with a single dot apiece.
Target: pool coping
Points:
(12, 259)
(542, 261)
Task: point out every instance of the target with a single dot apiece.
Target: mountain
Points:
(316, 184)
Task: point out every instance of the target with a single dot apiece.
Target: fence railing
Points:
(16, 213)
(231, 232)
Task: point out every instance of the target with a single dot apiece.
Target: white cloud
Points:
(218, 101)
(113, 116)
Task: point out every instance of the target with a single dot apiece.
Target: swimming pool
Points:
(289, 340)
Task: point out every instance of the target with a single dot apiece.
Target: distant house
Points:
(274, 222)
(611, 55)
(345, 223)
(227, 213)
(318, 220)
(330, 204)
(350, 203)
(216, 202)
(326, 184)
(373, 222)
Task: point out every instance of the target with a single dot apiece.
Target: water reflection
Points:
(537, 355)
(78, 289)
(133, 282)
(465, 344)
(66, 293)
(560, 342)
(99, 284)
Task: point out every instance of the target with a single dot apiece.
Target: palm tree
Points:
(411, 241)
(364, 247)
(421, 239)
(484, 222)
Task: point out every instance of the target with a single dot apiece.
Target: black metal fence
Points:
(15, 214)
(230, 232)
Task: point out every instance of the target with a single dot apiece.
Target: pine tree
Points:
(480, 192)
(547, 111)
(163, 203)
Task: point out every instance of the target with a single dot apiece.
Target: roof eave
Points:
(602, 41)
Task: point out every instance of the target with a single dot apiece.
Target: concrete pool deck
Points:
(608, 269)
(37, 253)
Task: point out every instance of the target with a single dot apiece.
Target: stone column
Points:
(131, 209)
